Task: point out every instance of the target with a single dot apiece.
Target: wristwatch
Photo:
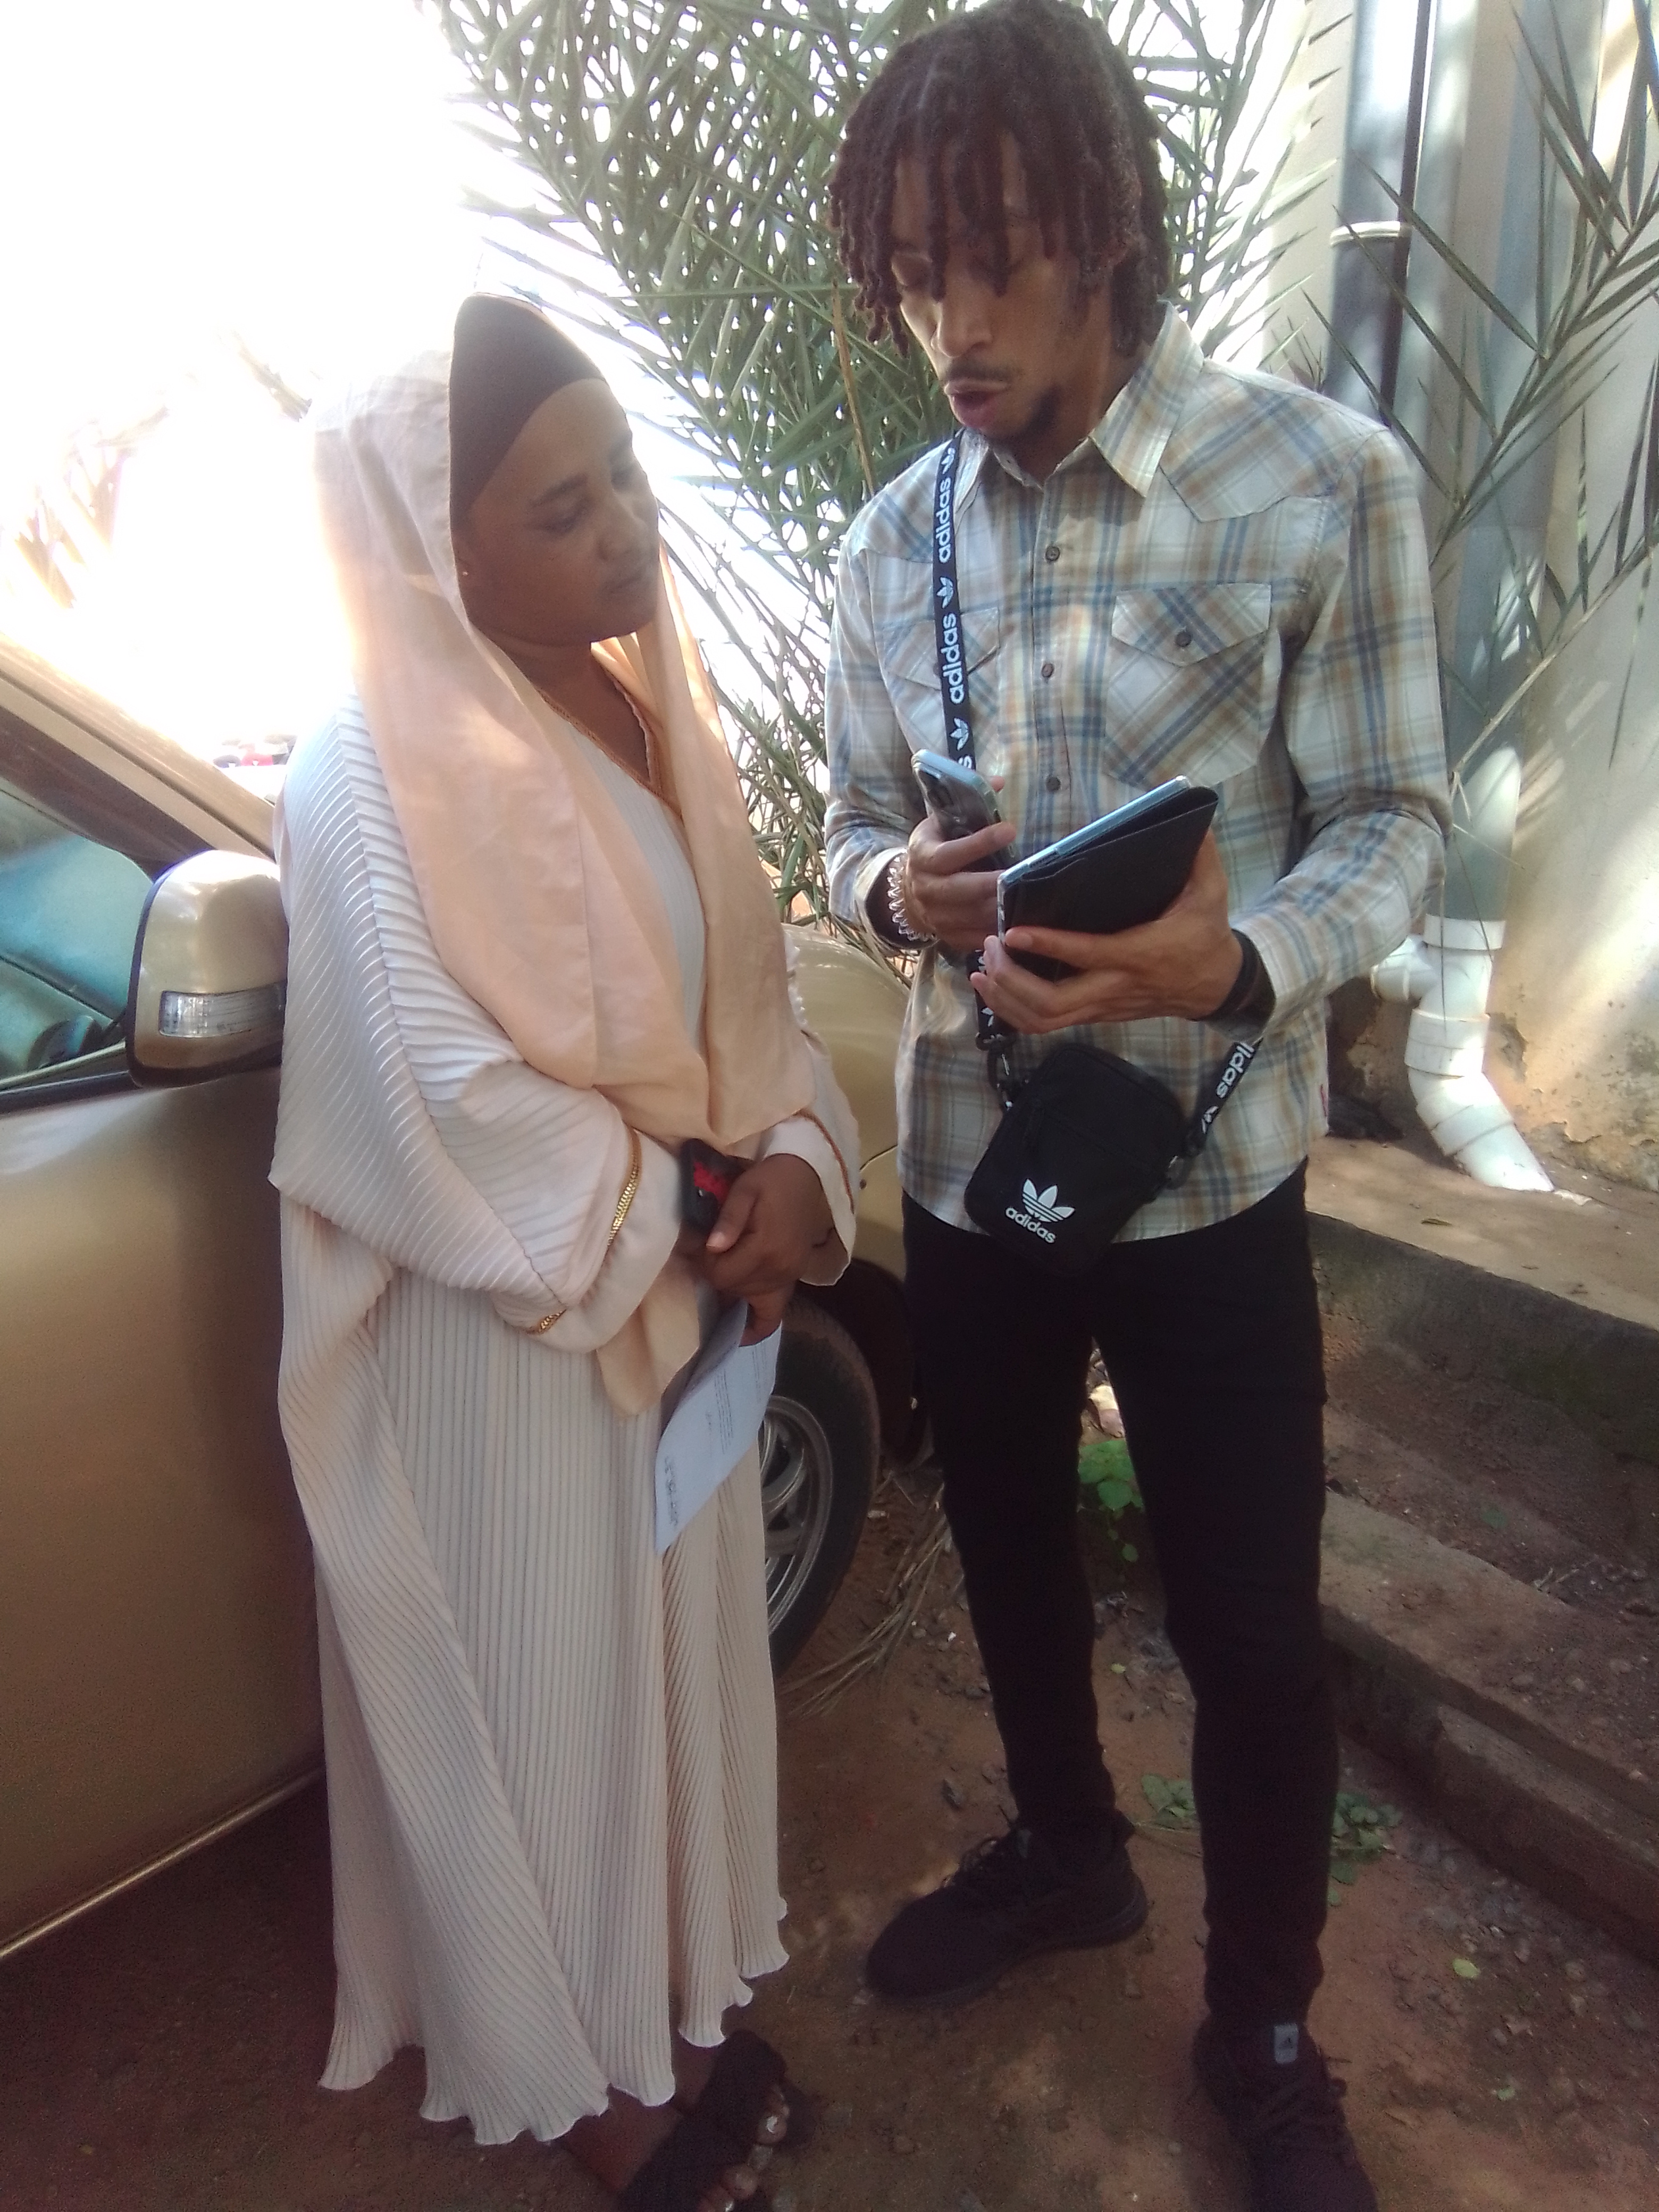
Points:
(1249, 1004)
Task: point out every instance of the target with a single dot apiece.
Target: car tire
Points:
(819, 1446)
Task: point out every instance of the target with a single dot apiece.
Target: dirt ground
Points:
(161, 2055)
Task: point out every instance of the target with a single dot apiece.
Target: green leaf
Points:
(1465, 1970)
(1108, 1475)
(1171, 1802)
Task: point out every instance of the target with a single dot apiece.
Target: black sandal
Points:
(734, 2097)
(684, 2167)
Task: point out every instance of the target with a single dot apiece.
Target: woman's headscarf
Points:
(531, 882)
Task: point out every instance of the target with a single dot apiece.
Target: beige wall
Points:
(1578, 977)
(1576, 996)
(1577, 981)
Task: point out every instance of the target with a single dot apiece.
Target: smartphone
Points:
(705, 1181)
(958, 797)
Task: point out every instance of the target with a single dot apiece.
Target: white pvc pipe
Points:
(1444, 976)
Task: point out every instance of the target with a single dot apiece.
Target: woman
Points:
(532, 952)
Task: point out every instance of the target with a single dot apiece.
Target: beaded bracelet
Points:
(903, 928)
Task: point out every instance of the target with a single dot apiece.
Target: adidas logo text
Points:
(1041, 1209)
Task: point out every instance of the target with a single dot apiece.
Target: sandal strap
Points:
(686, 2165)
(734, 2097)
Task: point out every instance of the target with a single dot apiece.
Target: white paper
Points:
(717, 1420)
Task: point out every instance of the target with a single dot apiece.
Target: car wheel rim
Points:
(797, 1490)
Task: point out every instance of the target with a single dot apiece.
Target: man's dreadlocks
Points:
(1048, 77)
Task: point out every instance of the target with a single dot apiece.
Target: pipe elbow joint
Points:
(1472, 1126)
(1405, 973)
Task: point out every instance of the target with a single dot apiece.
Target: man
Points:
(1165, 568)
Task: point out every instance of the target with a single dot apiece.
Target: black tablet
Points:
(1117, 873)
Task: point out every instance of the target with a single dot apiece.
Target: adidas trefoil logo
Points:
(1041, 1211)
(1042, 1202)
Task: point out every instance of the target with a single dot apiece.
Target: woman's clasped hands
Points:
(775, 1217)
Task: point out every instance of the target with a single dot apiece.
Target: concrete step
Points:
(1553, 1295)
(1590, 1855)
(1460, 1673)
(1472, 1637)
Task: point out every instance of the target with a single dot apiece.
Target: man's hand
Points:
(1184, 962)
(775, 1214)
(944, 893)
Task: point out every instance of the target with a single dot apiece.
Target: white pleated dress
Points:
(552, 1753)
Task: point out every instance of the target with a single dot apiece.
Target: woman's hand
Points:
(776, 1213)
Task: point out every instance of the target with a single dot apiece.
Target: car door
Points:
(157, 1655)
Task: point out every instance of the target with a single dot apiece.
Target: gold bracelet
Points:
(628, 1189)
(635, 1162)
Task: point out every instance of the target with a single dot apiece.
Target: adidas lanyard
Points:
(991, 1035)
(947, 610)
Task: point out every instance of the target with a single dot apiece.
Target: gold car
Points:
(157, 1662)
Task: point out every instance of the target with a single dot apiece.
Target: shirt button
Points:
(1051, 553)
(1048, 669)
(1183, 639)
(1051, 783)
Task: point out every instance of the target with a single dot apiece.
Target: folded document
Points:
(715, 1422)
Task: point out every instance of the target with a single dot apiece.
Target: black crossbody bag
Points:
(1088, 1138)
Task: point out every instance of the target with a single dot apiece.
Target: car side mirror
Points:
(209, 972)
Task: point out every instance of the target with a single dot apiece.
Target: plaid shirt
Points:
(1227, 580)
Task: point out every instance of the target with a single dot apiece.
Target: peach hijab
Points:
(531, 884)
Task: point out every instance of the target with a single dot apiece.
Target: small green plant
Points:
(1171, 1802)
(1359, 1833)
(1107, 1475)
(1359, 1830)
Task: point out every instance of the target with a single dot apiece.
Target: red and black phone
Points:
(705, 1181)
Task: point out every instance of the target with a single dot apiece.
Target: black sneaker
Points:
(1009, 1899)
(1281, 2102)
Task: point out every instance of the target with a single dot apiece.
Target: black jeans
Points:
(1211, 1341)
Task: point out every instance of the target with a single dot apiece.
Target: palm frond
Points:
(1521, 377)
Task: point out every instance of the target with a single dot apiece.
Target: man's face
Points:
(1027, 366)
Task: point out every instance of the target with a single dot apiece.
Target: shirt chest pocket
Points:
(909, 656)
(1192, 680)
